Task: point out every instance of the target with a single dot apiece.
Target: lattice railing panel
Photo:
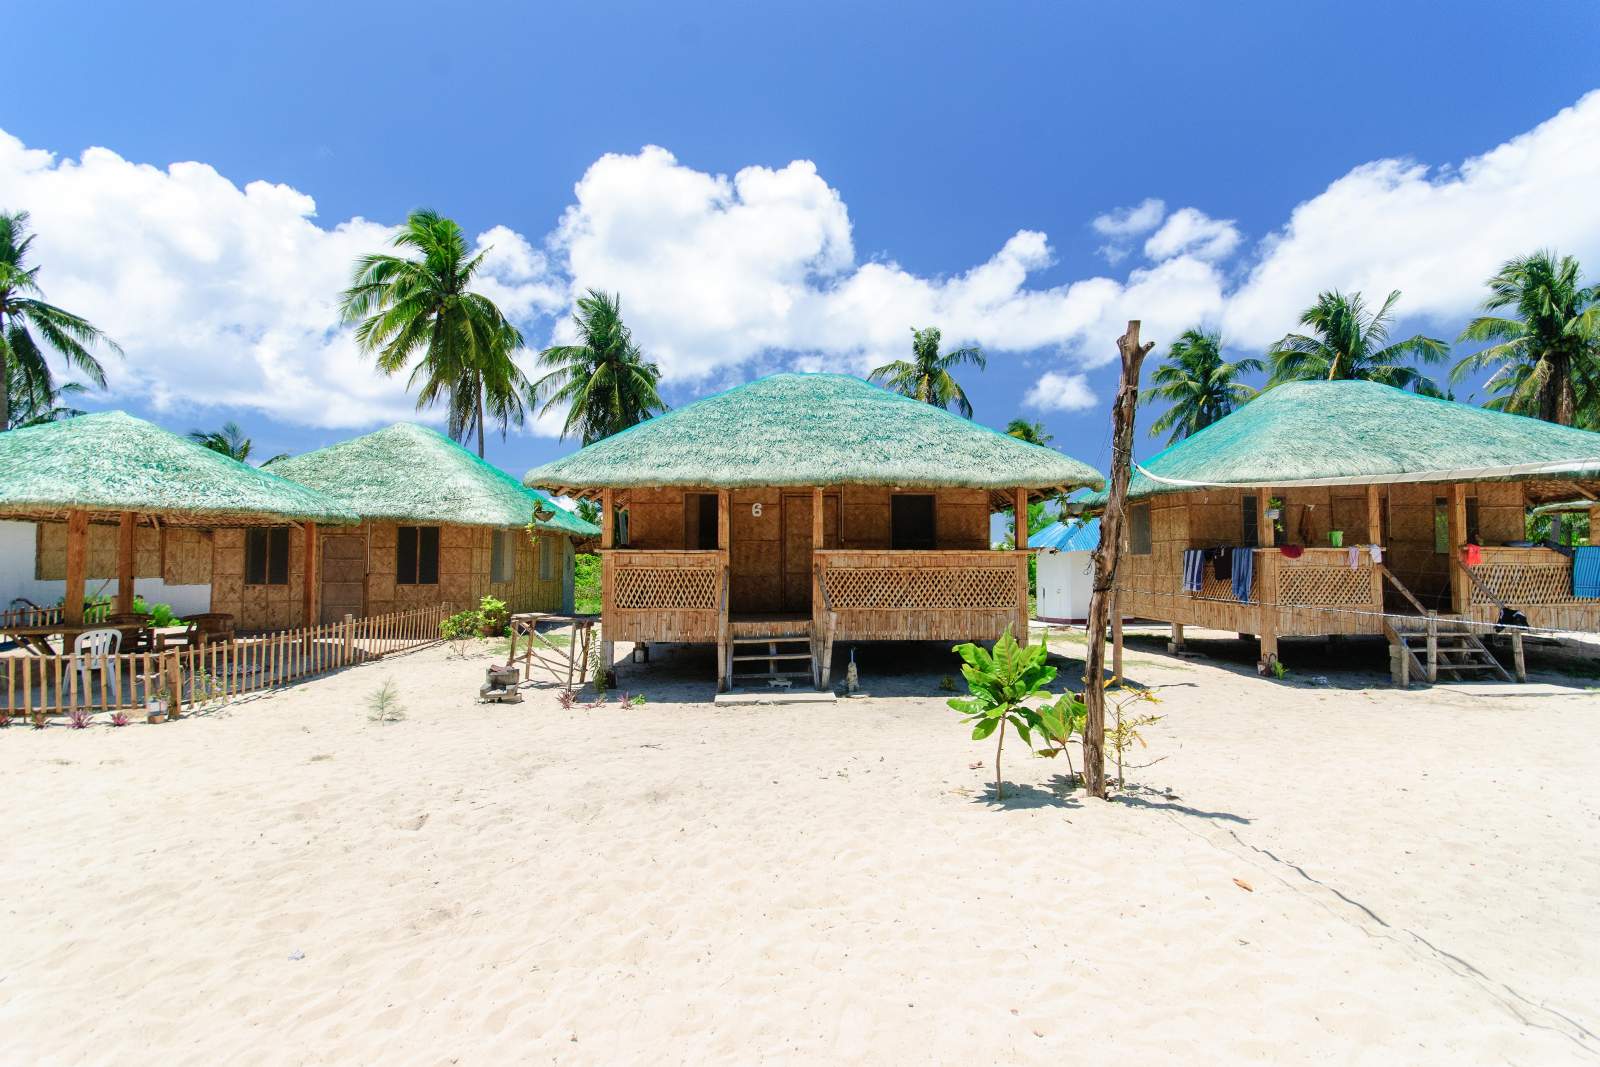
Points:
(934, 589)
(1521, 583)
(1325, 586)
(664, 587)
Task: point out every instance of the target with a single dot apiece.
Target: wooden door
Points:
(797, 546)
(344, 576)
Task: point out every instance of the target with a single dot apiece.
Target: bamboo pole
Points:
(1107, 556)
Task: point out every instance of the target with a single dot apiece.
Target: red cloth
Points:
(1292, 551)
(1472, 555)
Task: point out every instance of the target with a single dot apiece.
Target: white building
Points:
(1065, 576)
(19, 581)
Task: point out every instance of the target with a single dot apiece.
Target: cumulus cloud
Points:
(1433, 234)
(1055, 391)
(1123, 224)
(221, 295)
(1189, 231)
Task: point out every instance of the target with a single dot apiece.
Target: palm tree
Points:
(1348, 343)
(423, 307)
(926, 375)
(1547, 360)
(1032, 432)
(22, 313)
(230, 441)
(1198, 384)
(603, 381)
(34, 402)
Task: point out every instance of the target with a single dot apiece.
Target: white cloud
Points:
(1130, 221)
(1391, 224)
(1055, 391)
(1123, 224)
(221, 295)
(1189, 231)
(718, 273)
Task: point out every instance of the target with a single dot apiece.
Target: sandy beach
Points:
(1334, 874)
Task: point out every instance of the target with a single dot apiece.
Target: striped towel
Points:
(1586, 572)
(1194, 568)
(1244, 572)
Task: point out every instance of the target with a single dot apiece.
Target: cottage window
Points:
(1250, 521)
(548, 547)
(911, 521)
(1139, 530)
(417, 555)
(503, 556)
(1441, 523)
(266, 556)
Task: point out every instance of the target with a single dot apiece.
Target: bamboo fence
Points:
(37, 687)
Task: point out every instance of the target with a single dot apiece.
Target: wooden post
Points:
(1433, 647)
(77, 567)
(1176, 644)
(125, 536)
(1517, 658)
(608, 647)
(1019, 506)
(1460, 582)
(1116, 636)
(1020, 496)
(1594, 524)
(1374, 516)
(725, 546)
(349, 639)
(1267, 563)
(312, 567)
(1264, 529)
(1107, 556)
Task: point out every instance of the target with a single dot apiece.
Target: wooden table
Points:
(563, 662)
(36, 639)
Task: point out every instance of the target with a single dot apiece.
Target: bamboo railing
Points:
(36, 616)
(37, 687)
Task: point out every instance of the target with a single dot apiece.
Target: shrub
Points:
(999, 684)
(79, 718)
(384, 706)
(493, 618)
(119, 718)
(160, 614)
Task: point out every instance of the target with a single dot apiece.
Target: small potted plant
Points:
(156, 703)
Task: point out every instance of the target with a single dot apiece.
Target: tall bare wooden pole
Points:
(1106, 558)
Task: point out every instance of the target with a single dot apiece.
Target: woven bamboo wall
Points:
(1410, 551)
(50, 559)
(186, 559)
(256, 607)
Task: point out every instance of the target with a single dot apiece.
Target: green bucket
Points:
(1336, 538)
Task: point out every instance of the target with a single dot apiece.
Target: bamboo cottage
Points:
(800, 509)
(438, 525)
(115, 497)
(1346, 507)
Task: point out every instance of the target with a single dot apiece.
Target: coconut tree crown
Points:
(926, 375)
(1347, 342)
(1198, 383)
(604, 381)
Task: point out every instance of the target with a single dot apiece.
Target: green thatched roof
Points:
(811, 429)
(1327, 433)
(111, 462)
(409, 473)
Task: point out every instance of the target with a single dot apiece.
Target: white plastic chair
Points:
(92, 651)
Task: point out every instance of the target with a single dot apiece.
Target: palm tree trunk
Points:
(480, 416)
(5, 379)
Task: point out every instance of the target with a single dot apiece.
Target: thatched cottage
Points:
(800, 509)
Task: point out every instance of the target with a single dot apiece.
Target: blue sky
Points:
(910, 165)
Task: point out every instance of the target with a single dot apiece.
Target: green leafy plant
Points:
(1124, 731)
(460, 626)
(1058, 723)
(1279, 671)
(493, 616)
(947, 684)
(383, 705)
(160, 614)
(1000, 683)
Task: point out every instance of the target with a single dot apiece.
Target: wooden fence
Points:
(94, 611)
(35, 686)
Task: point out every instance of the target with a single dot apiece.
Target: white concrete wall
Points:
(18, 540)
(1065, 582)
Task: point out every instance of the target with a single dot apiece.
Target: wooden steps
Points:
(761, 651)
(1426, 648)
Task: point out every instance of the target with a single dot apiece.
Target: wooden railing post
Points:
(77, 567)
(349, 638)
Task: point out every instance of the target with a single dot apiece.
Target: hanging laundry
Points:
(1244, 572)
(1194, 565)
(1292, 551)
(1221, 563)
(1353, 554)
(1586, 571)
(1376, 552)
(1471, 555)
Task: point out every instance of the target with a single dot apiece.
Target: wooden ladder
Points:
(787, 655)
(1442, 645)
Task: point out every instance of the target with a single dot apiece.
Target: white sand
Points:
(677, 883)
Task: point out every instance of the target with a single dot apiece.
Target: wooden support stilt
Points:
(1176, 644)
